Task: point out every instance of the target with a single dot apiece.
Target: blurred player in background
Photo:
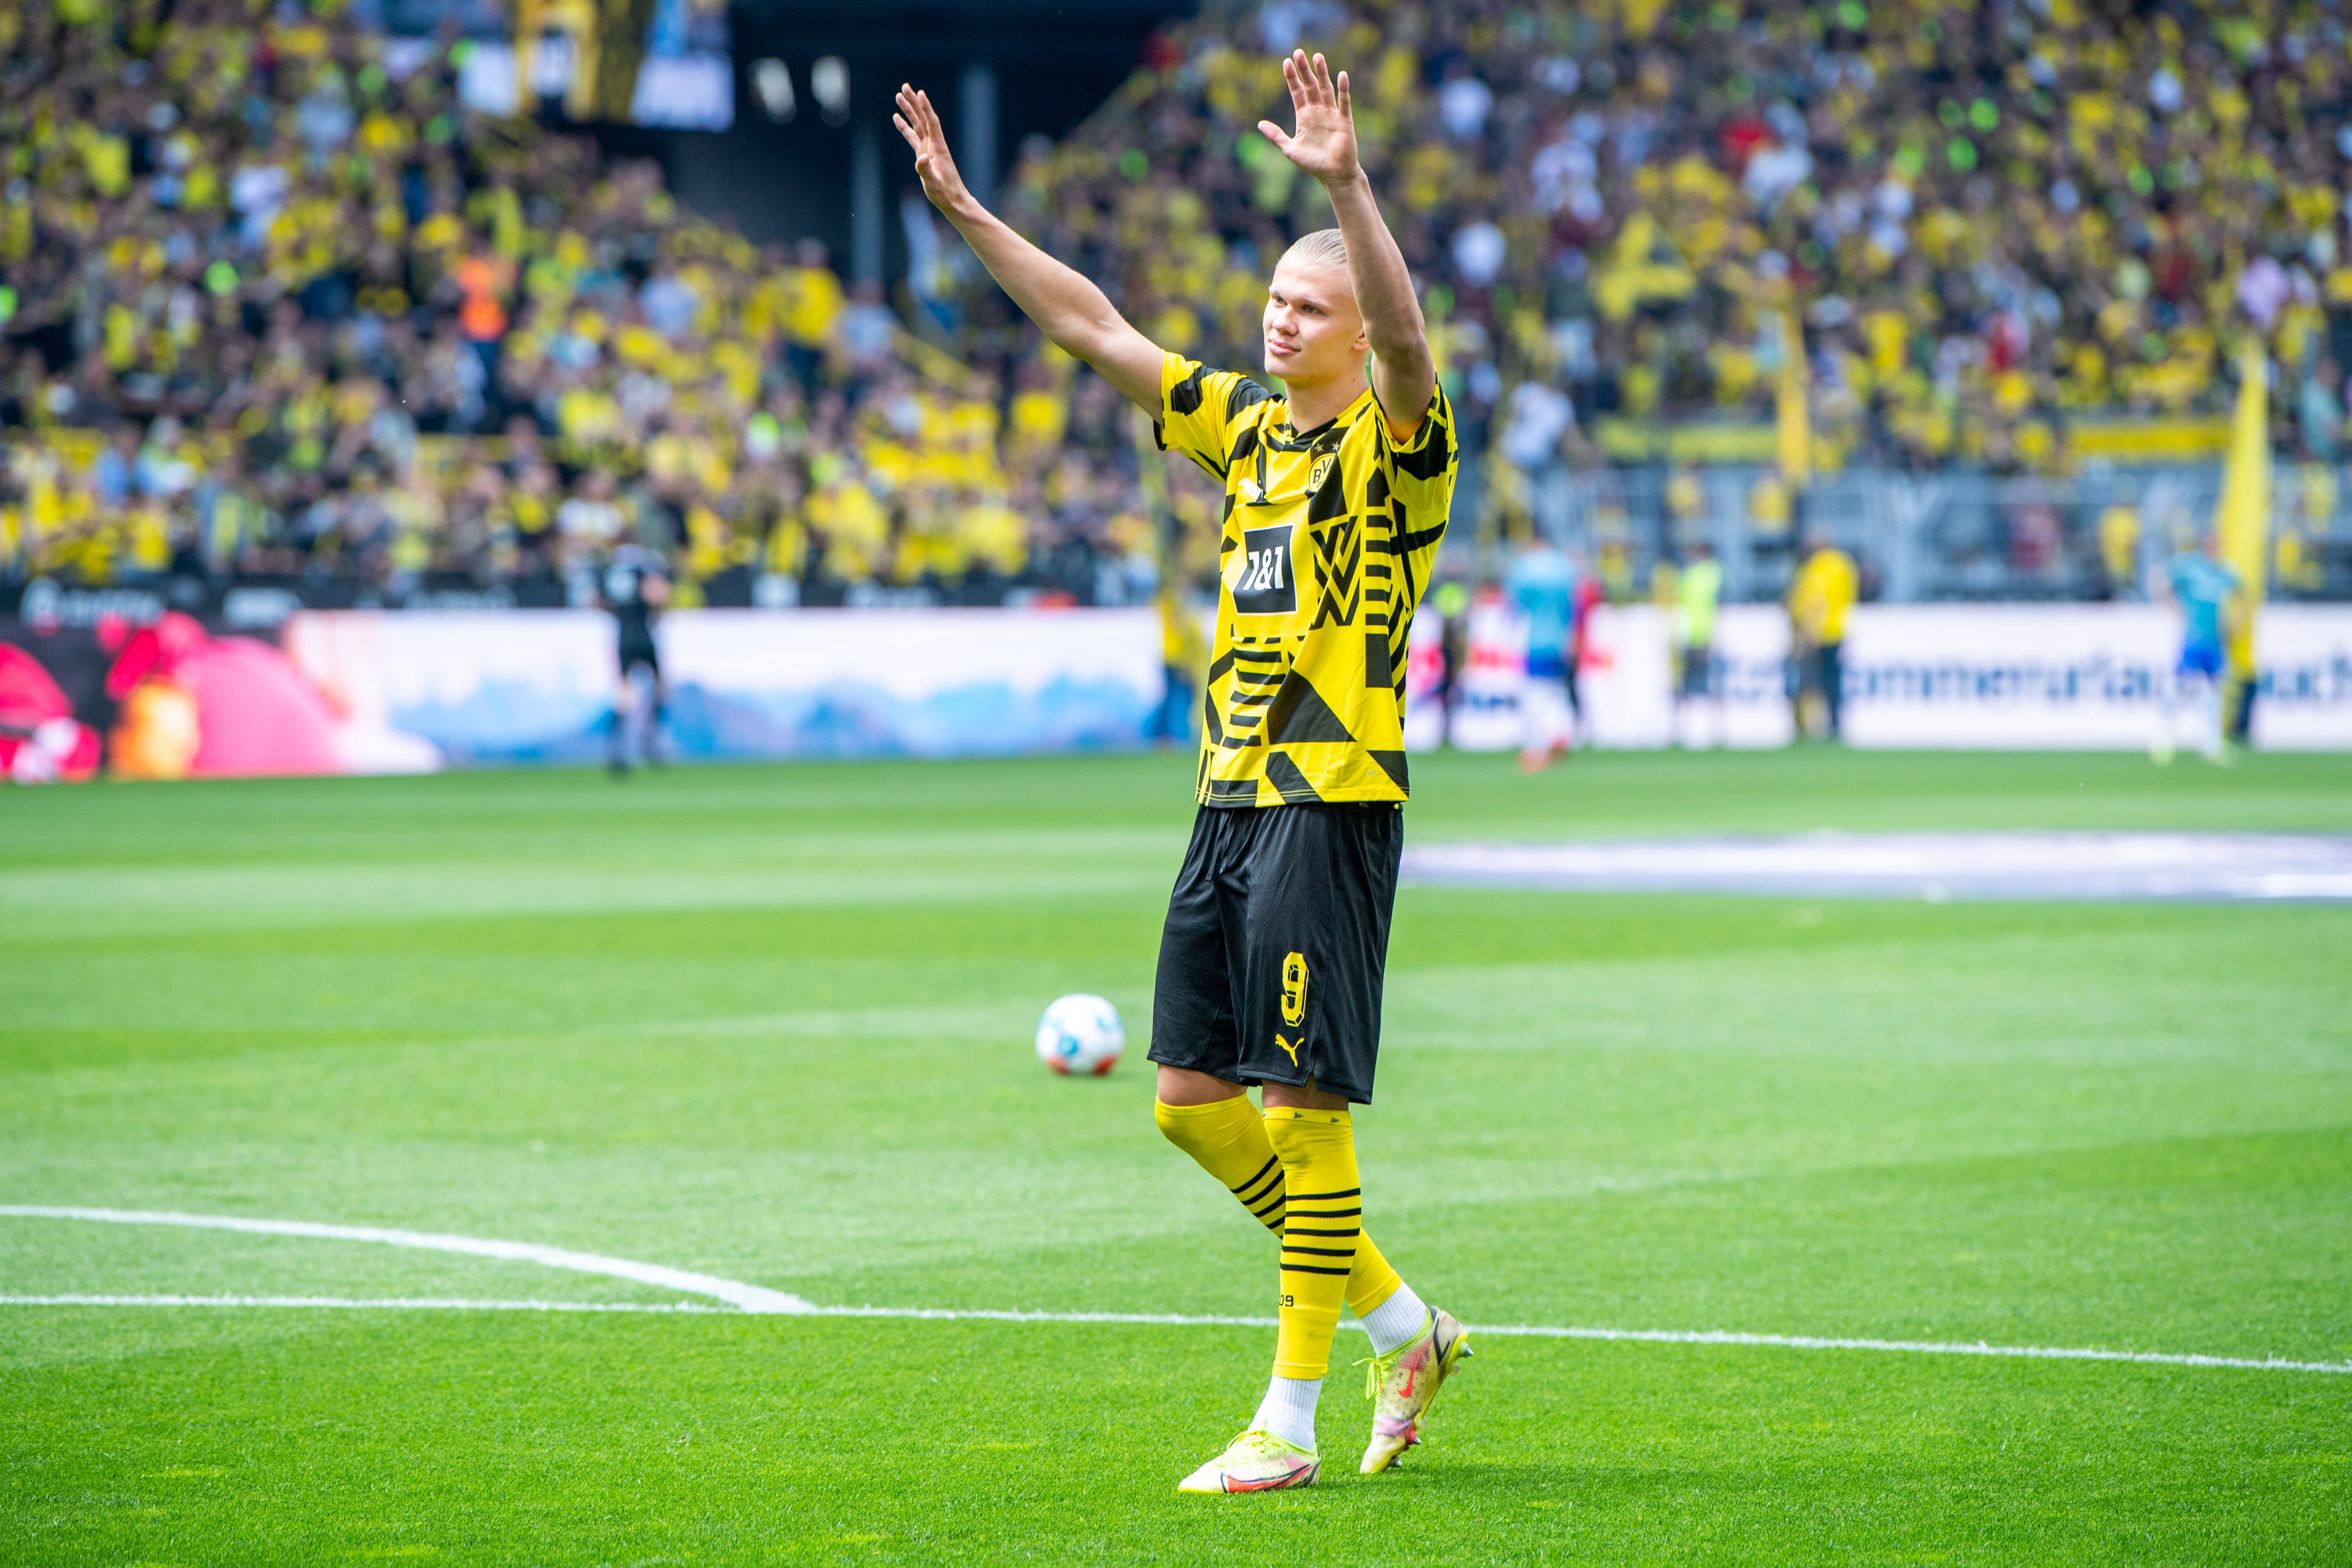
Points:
(1541, 584)
(1825, 588)
(1698, 591)
(2203, 587)
(634, 586)
(1451, 599)
(1183, 657)
(1579, 630)
(1272, 959)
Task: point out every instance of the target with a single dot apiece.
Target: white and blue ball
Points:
(1081, 1036)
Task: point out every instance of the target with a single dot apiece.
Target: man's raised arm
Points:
(1065, 306)
(1403, 374)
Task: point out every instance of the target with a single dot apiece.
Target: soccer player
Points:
(633, 588)
(1541, 581)
(1825, 589)
(1698, 592)
(2204, 587)
(1271, 962)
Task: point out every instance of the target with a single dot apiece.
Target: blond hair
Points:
(1323, 248)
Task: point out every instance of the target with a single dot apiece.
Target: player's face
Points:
(1313, 331)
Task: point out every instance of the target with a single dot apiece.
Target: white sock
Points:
(1288, 1410)
(1397, 1322)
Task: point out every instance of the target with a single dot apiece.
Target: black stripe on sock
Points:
(1273, 1165)
(1257, 1195)
(1326, 1214)
(1296, 1231)
(1266, 1207)
(1307, 1268)
(1319, 1198)
(1321, 1251)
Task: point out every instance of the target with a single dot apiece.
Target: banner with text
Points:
(1995, 677)
(2078, 677)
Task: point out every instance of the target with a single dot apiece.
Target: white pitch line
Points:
(749, 1298)
(1178, 1320)
(361, 1304)
(754, 1299)
(1914, 1347)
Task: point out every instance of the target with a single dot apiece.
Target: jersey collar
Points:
(1290, 439)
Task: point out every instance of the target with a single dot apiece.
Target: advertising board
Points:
(2010, 677)
(748, 684)
(2303, 695)
(1948, 677)
(133, 690)
(1626, 680)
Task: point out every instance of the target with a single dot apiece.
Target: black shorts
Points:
(1699, 669)
(636, 651)
(1277, 937)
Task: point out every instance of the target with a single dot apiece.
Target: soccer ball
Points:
(1081, 1035)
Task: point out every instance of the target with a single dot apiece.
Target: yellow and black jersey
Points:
(1330, 535)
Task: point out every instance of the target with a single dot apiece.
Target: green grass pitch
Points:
(773, 1024)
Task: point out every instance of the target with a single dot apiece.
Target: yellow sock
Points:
(1227, 1139)
(1371, 1281)
(1322, 1228)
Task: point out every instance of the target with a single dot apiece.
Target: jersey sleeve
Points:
(1198, 409)
(1420, 472)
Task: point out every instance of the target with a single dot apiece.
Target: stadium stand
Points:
(1990, 217)
(281, 310)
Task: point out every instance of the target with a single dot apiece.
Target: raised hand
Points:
(1324, 145)
(918, 122)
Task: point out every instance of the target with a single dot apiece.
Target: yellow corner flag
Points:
(2243, 524)
(1794, 443)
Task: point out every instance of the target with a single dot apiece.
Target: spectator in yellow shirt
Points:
(812, 314)
(1825, 588)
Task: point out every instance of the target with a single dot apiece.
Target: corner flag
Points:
(2241, 525)
(1794, 435)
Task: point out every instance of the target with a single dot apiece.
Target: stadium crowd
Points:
(1984, 217)
(278, 305)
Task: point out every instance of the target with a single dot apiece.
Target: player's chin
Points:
(1278, 363)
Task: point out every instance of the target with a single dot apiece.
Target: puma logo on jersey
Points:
(1292, 1049)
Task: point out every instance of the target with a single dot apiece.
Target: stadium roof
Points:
(1010, 32)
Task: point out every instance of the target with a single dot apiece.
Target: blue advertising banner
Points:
(540, 687)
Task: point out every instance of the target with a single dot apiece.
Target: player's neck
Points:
(1317, 404)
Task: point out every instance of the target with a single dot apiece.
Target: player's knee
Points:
(1304, 1136)
(1172, 1123)
(1192, 1123)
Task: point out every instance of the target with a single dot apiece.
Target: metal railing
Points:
(1924, 537)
